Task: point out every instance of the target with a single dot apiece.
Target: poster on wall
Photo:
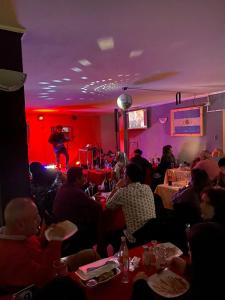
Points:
(187, 121)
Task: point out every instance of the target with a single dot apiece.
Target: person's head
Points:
(133, 173)
(22, 217)
(59, 128)
(137, 152)
(121, 157)
(199, 179)
(167, 149)
(36, 168)
(213, 204)
(75, 175)
(217, 152)
(205, 154)
(221, 164)
(194, 162)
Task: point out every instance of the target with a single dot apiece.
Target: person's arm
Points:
(116, 199)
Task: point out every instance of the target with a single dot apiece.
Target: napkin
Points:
(97, 268)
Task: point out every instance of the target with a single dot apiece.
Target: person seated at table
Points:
(167, 161)
(207, 248)
(186, 202)
(221, 177)
(209, 165)
(73, 204)
(119, 168)
(186, 206)
(25, 258)
(217, 153)
(136, 201)
(43, 185)
(144, 164)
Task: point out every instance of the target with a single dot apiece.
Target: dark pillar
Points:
(14, 152)
(125, 132)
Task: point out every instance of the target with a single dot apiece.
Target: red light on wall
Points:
(40, 117)
(77, 163)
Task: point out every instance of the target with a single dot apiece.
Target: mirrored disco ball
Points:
(124, 101)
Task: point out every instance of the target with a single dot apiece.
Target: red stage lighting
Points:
(77, 163)
(40, 117)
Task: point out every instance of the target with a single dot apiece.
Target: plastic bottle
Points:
(124, 260)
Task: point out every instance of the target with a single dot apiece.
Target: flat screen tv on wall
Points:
(137, 119)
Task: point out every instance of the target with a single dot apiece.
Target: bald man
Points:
(24, 258)
(27, 259)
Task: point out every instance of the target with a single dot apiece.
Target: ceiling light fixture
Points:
(84, 62)
(66, 79)
(135, 53)
(75, 69)
(57, 80)
(43, 82)
(106, 43)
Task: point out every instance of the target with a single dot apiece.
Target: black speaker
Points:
(116, 119)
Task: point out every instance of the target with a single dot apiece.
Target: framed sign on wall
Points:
(187, 121)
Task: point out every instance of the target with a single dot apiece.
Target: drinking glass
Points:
(60, 267)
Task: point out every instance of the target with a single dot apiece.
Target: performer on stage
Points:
(57, 139)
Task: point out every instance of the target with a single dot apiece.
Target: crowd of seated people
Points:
(207, 248)
(193, 205)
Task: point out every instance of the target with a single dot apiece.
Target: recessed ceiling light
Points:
(135, 53)
(106, 43)
(43, 96)
(110, 79)
(84, 92)
(75, 69)
(57, 80)
(43, 82)
(66, 79)
(84, 77)
(49, 98)
(46, 88)
(84, 62)
(52, 86)
(52, 91)
(103, 80)
(68, 99)
(43, 93)
(120, 75)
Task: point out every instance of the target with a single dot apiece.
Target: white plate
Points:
(168, 284)
(173, 251)
(61, 231)
(95, 281)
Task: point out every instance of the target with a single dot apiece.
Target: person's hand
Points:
(140, 275)
(121, 183)
(178, 265)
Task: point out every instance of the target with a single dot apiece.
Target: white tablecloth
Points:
(166, 192)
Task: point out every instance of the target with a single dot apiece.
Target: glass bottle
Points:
(106, 184)
(146, 256)
(124, 260)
